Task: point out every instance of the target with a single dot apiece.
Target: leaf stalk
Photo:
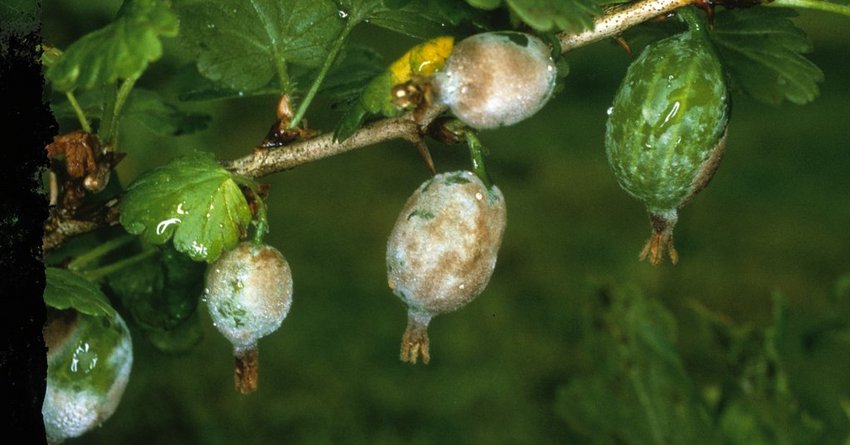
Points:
(817, 5)
(110, 137)
(102, 272)
(93, 255)
(81, 116)
(314, 88)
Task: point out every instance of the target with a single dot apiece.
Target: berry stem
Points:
(476, 152)
(262, 225)
(81, 116)
(246, 371)
(689, 16)
(415, 339)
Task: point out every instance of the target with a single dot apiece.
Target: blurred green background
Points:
(776, 218)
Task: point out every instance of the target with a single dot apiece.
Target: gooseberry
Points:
(442, 251)
(496, 79)
(666, 130)
(248, 294)
(88, 365)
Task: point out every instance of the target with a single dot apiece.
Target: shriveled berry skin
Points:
(249, 293)
(666, 130)
(89, 359)
(496, 79)
(442, 251)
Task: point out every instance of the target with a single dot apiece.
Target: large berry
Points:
(496, 79)
(666, 131)
(442, 251)
(248, 293)
(88, 365)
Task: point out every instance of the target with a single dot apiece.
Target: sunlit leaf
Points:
(194, 200)
(68, 290)
(120, 50)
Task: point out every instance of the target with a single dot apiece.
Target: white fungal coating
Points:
(442, 250)
(89, 365)
(496, 79)
(248, 293)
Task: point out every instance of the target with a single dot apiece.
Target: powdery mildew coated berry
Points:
(88, 366)
(666, 132)
(496, 79)
(249, 293)
(442, 251)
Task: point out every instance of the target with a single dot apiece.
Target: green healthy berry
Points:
(248, 293)
(442, 251)
(496, 79)
(88, 365)
(666, 130)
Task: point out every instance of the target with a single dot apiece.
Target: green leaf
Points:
(182, 338)
(359, 10)
(91, 102)
(194, 200)
(758, 406)
(549, 15)
(160, 292)
(68, 290)
(123, 49)
(417, 20)
(152, 111)
(812, 348)
(762, 50)
(456, 12)
(639, 391)
(144, 107)
(352, 72)
(355, 67)
(485, 4)
(193, 86)
(421, 19)
(265, 35)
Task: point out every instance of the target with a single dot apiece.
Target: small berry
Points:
(88, 365)
(496, 79)
(442, 251)
(249, 292)
(666, 131)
